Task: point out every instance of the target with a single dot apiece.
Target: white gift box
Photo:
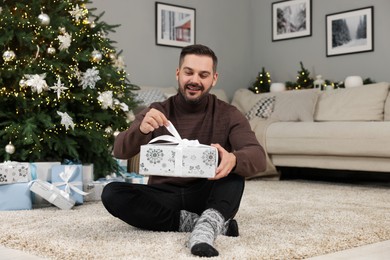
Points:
(13, 172)
(43, 172)
(52, 194)
(179, 158)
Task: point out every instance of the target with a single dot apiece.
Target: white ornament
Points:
(116, 133)
(51, 50)
(277, 87)
(77, 13)
(108, 130)
(66, 120)
(59, 87)
(105, 99)
(10, 148)
(130, 116)
(44, 19)
(353, 81)
(119, 63)
(65, 41)
(36, 82)
(89, 78)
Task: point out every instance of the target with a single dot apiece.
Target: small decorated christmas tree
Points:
(262, 83)
(303, 78)
(64, 93)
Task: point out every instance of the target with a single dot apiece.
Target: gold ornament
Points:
(96, 56)
(9, 55)
(44, 19)
(10, 148)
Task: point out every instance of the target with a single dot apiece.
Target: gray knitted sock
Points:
(187, 221)
(208, 226)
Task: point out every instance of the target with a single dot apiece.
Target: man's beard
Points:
(198, 87)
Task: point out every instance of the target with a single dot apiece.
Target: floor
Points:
(377, 251)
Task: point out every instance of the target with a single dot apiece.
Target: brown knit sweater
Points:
(210, 121)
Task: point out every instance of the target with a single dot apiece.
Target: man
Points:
(204, 207)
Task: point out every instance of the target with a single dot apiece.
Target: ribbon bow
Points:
(66, 175)
(175, 139)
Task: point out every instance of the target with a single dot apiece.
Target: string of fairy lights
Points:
(50, 85)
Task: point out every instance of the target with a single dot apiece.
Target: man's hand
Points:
(228, 162)
(152, 120)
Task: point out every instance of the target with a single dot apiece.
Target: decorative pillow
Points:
(295, 105)
(147, 97)
(363, 103)
(263, 108)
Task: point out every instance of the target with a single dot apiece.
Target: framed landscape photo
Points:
(350, 32)
(175, 25)
(291, 19)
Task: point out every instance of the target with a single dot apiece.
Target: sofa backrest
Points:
(369, 102)
(363, 103)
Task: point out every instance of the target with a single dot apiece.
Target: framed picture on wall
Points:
(291, 19)
(175, 25)
(350, 32)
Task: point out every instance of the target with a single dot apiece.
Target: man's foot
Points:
(232, 229)
(204, 250)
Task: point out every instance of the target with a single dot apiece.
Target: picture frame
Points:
(350, 32)
(175, 25)
(291, 19)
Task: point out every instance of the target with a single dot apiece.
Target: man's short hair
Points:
(199, 49)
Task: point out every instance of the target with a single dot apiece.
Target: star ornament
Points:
(66, 120)
(77, 13)
(58, 87)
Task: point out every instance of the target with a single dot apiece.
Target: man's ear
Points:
(215, 79)
(177, 73)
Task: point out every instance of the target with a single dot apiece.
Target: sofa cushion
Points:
(364, 103)
(364, 139)
(244, 99)
(262, 109)
(295, 105)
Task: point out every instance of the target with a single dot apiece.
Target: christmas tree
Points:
(64, 92)
(303, 78)
(262, 83)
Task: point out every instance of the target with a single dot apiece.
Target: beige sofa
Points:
(345, 129)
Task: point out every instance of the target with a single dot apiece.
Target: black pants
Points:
(157, 207)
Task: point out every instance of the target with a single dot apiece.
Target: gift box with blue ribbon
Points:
(69, 179)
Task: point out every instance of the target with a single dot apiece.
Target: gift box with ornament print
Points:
(180, 161)
(13, 172)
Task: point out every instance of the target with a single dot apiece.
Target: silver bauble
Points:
(116, 133)
(96, 56)
(9, 55)
(51, 50)
(44, 19)
(10, 148)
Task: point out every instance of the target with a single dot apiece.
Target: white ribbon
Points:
(66, 175)
(181, 143)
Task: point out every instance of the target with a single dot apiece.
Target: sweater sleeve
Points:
(250, 154)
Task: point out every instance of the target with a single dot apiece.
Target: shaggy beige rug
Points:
(277, 220)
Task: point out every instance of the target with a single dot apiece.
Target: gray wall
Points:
(240, 34)
(281, 58)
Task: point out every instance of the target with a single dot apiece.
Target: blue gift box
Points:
(69, 178)
(16, 196)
